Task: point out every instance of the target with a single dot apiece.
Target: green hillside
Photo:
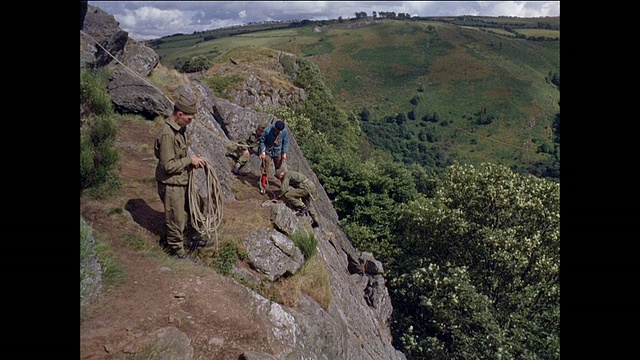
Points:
(433, 90)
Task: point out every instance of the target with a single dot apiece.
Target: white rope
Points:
(206, 220)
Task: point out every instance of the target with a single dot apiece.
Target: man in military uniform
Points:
(248, 147)
(299, 192)
(172, 172)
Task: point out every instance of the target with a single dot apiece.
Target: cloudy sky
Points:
(145, 20)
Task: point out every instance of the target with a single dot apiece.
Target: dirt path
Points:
(159, 290)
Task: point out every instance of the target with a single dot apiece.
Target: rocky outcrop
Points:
(101, 39)
(132, 94)
(355, 323)
(257, 93)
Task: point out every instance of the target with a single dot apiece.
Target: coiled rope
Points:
(207, 218)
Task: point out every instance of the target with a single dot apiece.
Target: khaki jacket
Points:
(170, 148)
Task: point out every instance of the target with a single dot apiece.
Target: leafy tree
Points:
(478, 275)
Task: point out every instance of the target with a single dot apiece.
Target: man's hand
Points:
(262, 156)
(197, 161)
(284, 156)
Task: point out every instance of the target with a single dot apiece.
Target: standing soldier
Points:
(172, 172)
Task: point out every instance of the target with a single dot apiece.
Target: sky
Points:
(145, 20)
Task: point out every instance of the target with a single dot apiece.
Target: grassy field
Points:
(424, 67)
(552, 34)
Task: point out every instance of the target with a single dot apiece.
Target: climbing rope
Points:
(207, 218)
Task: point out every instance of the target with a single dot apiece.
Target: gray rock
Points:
(101, 39)
(272, 253)
(134, 95)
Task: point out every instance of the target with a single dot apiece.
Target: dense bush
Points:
(195, 64)
(479, 272)
(98, 156)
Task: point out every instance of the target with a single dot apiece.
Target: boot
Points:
(236, 169)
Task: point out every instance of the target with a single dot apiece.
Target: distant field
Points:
(552, 34)
(289, 40)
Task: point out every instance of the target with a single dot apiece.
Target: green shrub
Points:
(288, 65)
(197, 63)
(98, 156)
(220, 83)
(92, 94)
(226, 257)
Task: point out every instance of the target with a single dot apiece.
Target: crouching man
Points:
(298, 191)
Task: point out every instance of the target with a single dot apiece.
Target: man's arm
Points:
(263, 139)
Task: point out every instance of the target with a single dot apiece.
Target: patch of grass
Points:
(322, 46)
(135, 242)
(551, 34)
(116, 211)
(306, 242)
(311, 279)
(219, 83)
(168, 80)
(113, 272)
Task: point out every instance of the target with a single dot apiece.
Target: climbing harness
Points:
(207, 219)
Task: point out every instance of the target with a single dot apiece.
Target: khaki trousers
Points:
(176, 210)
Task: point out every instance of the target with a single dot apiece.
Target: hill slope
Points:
(479, 95)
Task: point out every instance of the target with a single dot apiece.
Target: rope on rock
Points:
(206, 213)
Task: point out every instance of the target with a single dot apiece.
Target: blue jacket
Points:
(273, 143)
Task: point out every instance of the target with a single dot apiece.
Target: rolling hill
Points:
(467, 89)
